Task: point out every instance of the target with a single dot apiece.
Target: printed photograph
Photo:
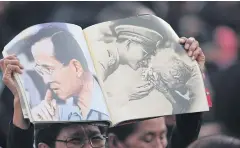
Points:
(59, 79)
(141, 63)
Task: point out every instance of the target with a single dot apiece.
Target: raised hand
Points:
(192, 47)
(10, 65)
(47, 109)
(141, 91)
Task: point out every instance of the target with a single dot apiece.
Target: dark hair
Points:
(216, 141)
(226, 99)
(65, 46)
(47, 133)
(123, 130)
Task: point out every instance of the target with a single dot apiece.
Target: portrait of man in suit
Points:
(72, 91)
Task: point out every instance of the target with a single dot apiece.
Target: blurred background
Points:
(215, 25)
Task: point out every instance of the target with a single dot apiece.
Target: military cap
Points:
(139, 34)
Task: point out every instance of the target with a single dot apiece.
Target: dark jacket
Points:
(19, 138)
(185, 132)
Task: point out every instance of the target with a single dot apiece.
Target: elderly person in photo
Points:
(73, 93)
(137, 47)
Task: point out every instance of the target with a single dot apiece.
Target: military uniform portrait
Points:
(141, 63)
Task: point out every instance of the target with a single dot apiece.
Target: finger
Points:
(6, 79)
(48, 96)
(54, 104)
(142, 83)
(42, 114)
(138, 96)
(49, 102)
(182, 40)
(13, 62)
(141, 86)
(149, 87)
(8, 74)
(141, 92)
(201, 60)
(189, 42)
(1, 64)
(36, 114)
(201, 56)
(134, 97)
(13, 68)
(50, 107)
(40, 109)
(196, 53)
(144, 88)
(46, 113)
(11, 57)
(193, 47)
(56, 111)
(55, 117)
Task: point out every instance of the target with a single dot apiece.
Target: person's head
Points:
(136, 45)
(59, 61)
(151, 133)
(216, 141)
(212, 128)
(226, 99)
(71, 135)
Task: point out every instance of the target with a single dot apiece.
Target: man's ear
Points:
(76, 65)
(114, 142)
(43, 145)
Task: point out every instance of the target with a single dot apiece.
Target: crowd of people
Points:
(213, 24)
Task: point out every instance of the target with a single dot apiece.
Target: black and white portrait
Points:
(141, 63)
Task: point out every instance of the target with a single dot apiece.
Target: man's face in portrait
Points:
(62, 78)
(135, 54)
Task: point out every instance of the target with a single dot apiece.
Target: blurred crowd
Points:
(214, 24)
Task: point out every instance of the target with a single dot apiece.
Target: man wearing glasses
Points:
(21, 133)
(133, 46)
(70, 135)
(72, 94)
(55, 135)
(138, 47)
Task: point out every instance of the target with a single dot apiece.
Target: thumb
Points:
(54, 104)
(55, 115)
(48, 96)
(201, 61)
(182, 40)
